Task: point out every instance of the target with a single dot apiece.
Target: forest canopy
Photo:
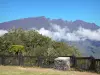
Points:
(31, 43)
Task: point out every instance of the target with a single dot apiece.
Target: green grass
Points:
(16, 70)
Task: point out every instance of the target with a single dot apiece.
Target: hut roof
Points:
(63, 58)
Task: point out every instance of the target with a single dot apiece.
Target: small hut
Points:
(62, 63)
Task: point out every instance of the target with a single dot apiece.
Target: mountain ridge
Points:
(42, 19)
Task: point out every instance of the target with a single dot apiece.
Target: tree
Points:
(16, 49)
(4, 45)
(33, 44)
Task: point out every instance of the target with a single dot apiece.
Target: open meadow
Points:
(17, 70)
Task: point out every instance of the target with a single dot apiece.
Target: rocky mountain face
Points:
(87, 47)
(40, 22)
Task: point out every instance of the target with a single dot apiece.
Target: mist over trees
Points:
(31, 43)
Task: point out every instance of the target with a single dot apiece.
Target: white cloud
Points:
(58, 33)
(89, 34)
(45, 32)
(2, 32)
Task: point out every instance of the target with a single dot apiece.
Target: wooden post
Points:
(38, 61)
(92, 63)
(20, 59)
(2, 60)
(74, 61)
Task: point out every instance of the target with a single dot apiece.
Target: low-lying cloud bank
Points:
(2, 32)
(57, 33)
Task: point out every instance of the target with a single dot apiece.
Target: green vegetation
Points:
(31, 43)
(15, 70)
(16, 49)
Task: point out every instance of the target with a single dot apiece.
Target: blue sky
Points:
(87, 10)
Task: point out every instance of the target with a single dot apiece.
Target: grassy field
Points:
(16, 70)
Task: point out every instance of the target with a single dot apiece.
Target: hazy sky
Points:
(87, 10)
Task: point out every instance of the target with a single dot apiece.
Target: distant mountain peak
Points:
(42, 21)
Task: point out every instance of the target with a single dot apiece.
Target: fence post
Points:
(20, 59)
(92, 63)
(74, 61)
(2, 60)
(38, 61)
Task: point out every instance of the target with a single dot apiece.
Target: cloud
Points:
(89, 34)
(57, 33)
(2, 32)
(63, 33)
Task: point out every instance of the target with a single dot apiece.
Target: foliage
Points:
(16, 48)
(30, 42)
